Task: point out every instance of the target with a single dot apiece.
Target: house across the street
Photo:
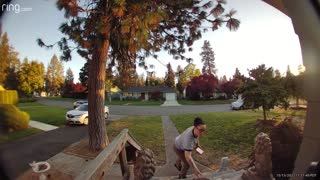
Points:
(149, 92)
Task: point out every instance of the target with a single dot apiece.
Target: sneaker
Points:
(182, 177)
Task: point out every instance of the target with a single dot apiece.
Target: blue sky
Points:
(265, 36)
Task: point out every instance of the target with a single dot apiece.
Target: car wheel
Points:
(86, 121)
(106, 115)
(241, 108)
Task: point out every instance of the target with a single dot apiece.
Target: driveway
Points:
(149, 110)
(16, 156)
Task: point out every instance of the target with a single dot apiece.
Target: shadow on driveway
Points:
(16, 156)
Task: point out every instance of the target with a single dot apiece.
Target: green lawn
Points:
(146, 129)
(27, 104)
(12, 136)
(208, 102)
(290, 112)
(134, 103)
(47, 114)
(228, 134)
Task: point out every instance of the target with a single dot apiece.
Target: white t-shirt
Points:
(186, 141)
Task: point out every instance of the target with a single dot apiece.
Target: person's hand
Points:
(197, 173)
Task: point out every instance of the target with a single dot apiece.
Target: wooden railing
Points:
(121, 145)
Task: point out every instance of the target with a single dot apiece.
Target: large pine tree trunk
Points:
(96, 88)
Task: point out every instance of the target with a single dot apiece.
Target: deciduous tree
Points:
(31, 77)
(204, 85)
(186, 75)
(264, 89)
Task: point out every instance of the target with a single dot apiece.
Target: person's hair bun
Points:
(197, 121)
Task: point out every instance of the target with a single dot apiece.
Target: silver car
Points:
(80, 115)
(78, 103)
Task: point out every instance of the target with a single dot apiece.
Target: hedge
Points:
(9, 97)
(11, 118)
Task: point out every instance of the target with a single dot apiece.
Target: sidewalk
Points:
(42, 126)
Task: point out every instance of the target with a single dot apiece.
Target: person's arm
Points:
(191, 163)
(198, 144)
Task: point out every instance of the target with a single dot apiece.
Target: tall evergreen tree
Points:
(237, 74)
(169, 79)
(11, 81)
(127, 75)
(207, 54)
(69, 76)
(84, 74)
(9, 64)
(54, 76)
(4, 57)
(131, 30)
(68, 83)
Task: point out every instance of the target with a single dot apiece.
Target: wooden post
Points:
(124, 164)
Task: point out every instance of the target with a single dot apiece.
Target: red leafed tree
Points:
(231, 87)
(204, 85)
(78, 88)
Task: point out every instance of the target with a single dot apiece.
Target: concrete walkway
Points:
(171, 103)
(42, 126)
(170, 133)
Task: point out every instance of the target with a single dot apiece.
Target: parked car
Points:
(78, 103)
(238, 104)
(80, 114)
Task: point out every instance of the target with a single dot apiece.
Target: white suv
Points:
(80, 114)
(239, 104)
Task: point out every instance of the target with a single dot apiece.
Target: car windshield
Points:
(240, 100)
(83, 107)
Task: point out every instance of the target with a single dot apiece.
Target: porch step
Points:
(216, 175)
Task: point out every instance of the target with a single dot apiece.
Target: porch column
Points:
(306, 23)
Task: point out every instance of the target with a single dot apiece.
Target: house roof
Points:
(149, 89)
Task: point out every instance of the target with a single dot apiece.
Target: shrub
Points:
(156, 96)
(115, 96)
(11, 118)
(9, 97)
(131, 98)
(221, 97)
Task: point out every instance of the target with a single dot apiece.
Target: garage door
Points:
(170, 96)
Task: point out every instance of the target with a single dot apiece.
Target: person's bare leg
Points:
(178, 164)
